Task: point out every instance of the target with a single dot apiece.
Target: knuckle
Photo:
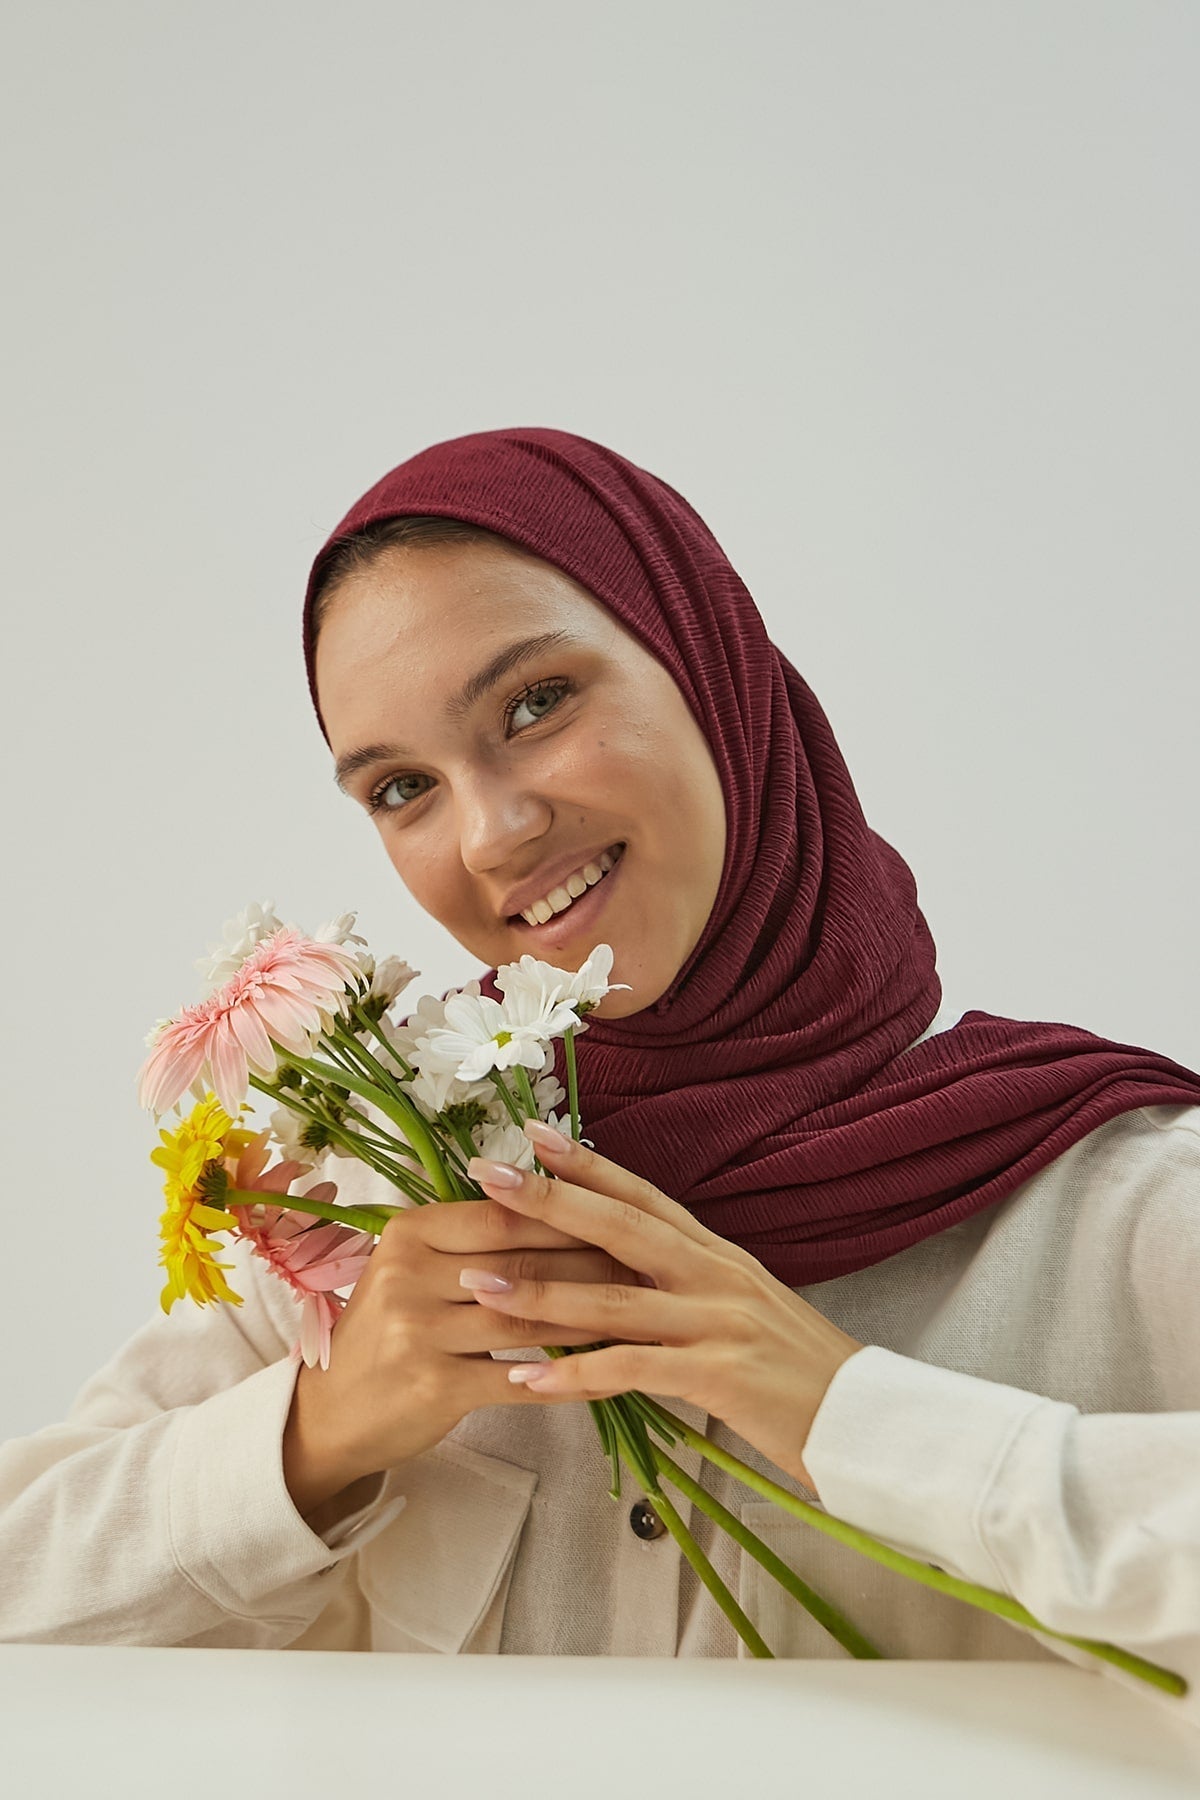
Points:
(629, 1216)
(501, 1221)
(615, 1298)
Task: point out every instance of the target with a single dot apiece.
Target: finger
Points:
(600, 1374)
(574, 1162)
(465, 1226)
(528, 1266)
(636, 1238)
(475, 1331)
(599, 1310)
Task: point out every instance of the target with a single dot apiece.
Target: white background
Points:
(903, 298)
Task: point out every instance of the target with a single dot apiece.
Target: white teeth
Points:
(560, 898)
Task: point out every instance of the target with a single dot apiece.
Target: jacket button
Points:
(644, 1522)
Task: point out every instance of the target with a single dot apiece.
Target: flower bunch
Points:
(304, 1020)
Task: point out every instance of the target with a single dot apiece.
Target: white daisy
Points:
(240, 936)
(480, 1035)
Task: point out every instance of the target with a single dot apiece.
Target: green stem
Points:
(361, 1218)
(838, 1627)
(985, 1598)
(525, 1092)
(572, 1081)
(398, 1110)
(372, 1026)
(505, 1093)
(708, 1575)
(398, 1176)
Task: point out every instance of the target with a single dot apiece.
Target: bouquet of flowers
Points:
(305, 1021)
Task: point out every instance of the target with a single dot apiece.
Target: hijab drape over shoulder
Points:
(773, 1089)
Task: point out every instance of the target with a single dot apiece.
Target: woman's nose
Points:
(495, 819)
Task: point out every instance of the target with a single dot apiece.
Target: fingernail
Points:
(545, 1136)
(497, 1174)
(528, 1373)
(481, 1282)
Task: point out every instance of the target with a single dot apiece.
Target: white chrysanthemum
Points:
(389, 978)
(505, 1143)
(549, 1093)
(239, 936)
(480, 1035)
(436, 1089)
(582, 990)
(339, 931)
(286, 1129)
(588, 986)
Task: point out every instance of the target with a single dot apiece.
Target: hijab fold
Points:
(775, 1089)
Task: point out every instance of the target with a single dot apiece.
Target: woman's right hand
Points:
(410, 1353)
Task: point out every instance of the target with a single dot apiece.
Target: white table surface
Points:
(180, 1724)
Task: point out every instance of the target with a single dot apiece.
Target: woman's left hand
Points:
(715, 1329)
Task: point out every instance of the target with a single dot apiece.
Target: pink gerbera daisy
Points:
(313, 1256)
(287, 992)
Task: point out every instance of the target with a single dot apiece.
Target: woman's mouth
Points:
(568, 909)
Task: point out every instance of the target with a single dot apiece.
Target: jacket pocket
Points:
(437, 1577)
(899, 1616)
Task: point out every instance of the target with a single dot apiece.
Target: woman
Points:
(941, 1276)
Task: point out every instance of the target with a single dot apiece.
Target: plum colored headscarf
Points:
(775, 1089)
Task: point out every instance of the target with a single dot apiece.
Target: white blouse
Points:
(1026, 1415)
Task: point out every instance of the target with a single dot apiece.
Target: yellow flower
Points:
(188, 1155)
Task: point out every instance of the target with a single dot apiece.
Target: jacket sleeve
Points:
(157, 1512)
(1090, 1521)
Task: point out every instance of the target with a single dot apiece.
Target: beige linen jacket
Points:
(1026, 1414)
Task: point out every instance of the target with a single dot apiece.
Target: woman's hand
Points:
(715, 1328)
(410, 1354)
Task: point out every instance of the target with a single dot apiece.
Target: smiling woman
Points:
(562, 794)
(938, 1275)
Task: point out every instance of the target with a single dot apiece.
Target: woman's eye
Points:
(379, 801)
(540, 700)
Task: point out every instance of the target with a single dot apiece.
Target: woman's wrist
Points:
(315, 1471)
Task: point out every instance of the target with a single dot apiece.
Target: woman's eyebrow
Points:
(472, 690)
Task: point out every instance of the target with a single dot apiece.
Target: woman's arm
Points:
(157, 1512)
(1091, 1521)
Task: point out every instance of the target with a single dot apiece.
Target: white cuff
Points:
(909, 1452)
(235, 1532)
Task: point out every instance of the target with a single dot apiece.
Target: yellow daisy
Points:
(191, 1156)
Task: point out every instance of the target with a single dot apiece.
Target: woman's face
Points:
(509, 737)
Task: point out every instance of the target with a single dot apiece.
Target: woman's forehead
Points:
(422, 622)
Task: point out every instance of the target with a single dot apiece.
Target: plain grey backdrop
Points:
(903, 297)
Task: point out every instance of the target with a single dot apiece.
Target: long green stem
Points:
(407, 1180)
(361, 1218)
(847, 1635)
(398, 1110)
(708, 1575)
(985, 1598)
(390, 1098)
(506, 1094)
(572, 1081)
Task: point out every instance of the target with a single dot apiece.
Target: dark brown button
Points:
(644, 1522)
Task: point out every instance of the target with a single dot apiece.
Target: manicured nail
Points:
(481, 1282)
(531, 1374)
(495, 1174)
(545, 1136)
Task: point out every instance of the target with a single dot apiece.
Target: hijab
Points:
(775, 1089)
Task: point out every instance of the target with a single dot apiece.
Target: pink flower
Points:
(313, 1256)
(284, 994)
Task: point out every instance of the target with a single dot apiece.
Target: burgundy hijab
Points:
(773, 1089)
